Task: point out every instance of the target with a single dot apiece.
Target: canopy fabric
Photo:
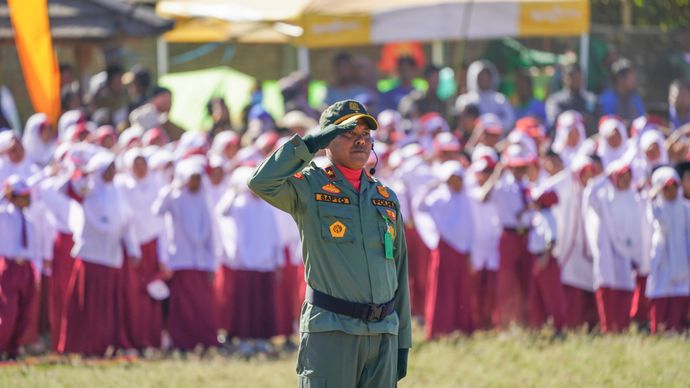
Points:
(329, 23)
(193, 89)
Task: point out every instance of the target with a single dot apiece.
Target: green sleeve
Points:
(402, 302)
(270, 180)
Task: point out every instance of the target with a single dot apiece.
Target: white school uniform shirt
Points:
(289, 236)
(11, 226)
(414, 174)
(509, 198)
(213, 195)
(487, 232)
(571, 247)
(542, 233)
(140, 194)
(25, 169)
(614, 234)
(255, 243)
(107, 227)
(452, 216)
(190, 243)
(670, 249)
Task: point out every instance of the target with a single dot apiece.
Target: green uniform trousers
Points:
(336, 359)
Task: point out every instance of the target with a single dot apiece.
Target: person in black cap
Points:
(355, 326)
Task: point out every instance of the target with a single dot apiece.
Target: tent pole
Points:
(303, 59)
(438, 54)
(584, 56)
(162, 56)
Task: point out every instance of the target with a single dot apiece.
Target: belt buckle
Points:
(521, 230)
(20, 260)
(375, 313)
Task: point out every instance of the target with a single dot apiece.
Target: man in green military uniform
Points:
(355, 325)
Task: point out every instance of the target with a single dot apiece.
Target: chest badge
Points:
(391, 215)
(337, 229)
(331, 188)
(383, 191)
(298, 175)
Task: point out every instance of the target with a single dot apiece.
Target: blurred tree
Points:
(665, 14)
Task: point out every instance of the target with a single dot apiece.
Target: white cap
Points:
(663, 176)
(609, 125)
(483, 157)
(450, 168)
(99, 162)
(491, 123)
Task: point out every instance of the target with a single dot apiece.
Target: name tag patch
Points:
(321, 197)
(383, 202)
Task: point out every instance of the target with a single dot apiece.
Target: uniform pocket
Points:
(336, 222)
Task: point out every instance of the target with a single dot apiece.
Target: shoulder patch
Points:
(298, 175)
(383, 202)
(321, 197)
(330, 172)
(331, 188)
(383, 191)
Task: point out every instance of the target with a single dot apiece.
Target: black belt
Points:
(365, 311)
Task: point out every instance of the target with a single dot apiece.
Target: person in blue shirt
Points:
(525, 102)
(407, 70)
(622, 98)
(678, 104)
(346, 84)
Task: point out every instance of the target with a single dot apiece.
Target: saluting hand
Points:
(323, 138)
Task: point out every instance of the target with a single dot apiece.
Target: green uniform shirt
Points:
(343, 236)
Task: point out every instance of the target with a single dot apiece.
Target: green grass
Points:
(511, 359)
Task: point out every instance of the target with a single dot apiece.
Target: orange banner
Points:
(35, 48)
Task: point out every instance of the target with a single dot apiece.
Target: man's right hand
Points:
(322, 139)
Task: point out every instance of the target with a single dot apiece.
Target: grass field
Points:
(511, 359)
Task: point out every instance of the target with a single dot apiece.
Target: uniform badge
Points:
(383, 191)
(331, 188)
(391, 214)
(353, 106)
(298, 175)
(330, 173)
(337, 229)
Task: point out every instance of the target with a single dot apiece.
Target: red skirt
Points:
(191, 317)
(31, 336)
(286, 295)
(141, 321)
(61, 270)
(224, 288)
(301, 289)
(418, 262)
(484, 298)
(17, 293)
(254, 305)
(90, 324)
(514, 278)
(581, 308)
(668, 313)
(449, 293)
(639, 311)
(546, 298)
(614, 309)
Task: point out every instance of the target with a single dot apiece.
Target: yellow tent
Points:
(332, 23)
